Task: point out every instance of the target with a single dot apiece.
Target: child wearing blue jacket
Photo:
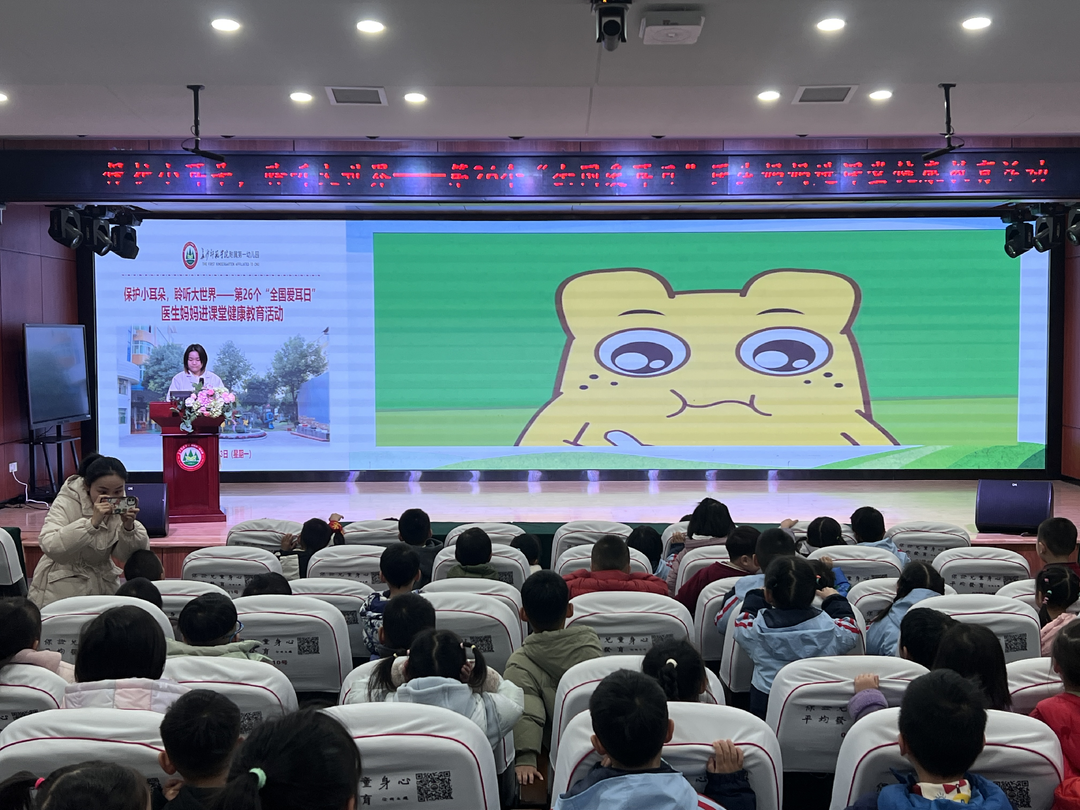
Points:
(630, 727)
(869, 527)
(918, 581)
(942, 732)
(779, 624)
(771, 543)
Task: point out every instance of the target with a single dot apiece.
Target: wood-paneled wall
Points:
(37, 285)
(1070, 399)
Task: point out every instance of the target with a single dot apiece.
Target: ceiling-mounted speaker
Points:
(671, 27)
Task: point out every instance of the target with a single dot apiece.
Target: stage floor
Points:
(558, 501)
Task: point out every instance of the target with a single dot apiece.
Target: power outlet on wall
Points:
(13, 467)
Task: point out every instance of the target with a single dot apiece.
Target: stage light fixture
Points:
(610, 22)
(96, 235)
(125, 244)
(1049, 232)
(1019, 238)
(1072, 225)
(65, 227)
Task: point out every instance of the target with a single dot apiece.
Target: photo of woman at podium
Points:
(194, 372)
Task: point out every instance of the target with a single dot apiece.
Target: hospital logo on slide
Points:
(190, 457)
(191, 255)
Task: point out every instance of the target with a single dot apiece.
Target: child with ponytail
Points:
(97, 785)
(678, 668)
(918, 581)
(405, 618)
(442, 670)
(302, 761)
(779, 624)
(1056, 589)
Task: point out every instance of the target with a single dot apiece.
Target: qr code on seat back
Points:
(1015, 642)
(307, 645)
(1018, 792)
(436, 786)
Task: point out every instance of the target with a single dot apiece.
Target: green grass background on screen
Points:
(468, 340)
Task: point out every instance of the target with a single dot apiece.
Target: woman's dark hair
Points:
(823, 532)
(123, 642)
(1056, 586)
(195, 347)
(975, 652)
(915, 575)
(678, 668)
(98, 785)
(792, 582)
(95, 466)
(825, 576)
(710, 519)
(404, 619)
(309, 760)
(648, 541)
(21, 623)
(442, 653)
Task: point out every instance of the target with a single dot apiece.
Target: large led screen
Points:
(418, 345)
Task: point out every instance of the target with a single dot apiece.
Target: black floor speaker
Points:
(153, 507)
(1013, 507)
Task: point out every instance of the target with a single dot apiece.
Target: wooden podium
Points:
(190, 464)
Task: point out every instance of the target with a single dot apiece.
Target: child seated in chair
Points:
(1056, 543)
(406, 617)
(529, 545)
(20, 636)
(199, 733)
(942, 732)
(540, 662)
(610, 571)
(918, 581)
(443, 670)
(473, 554)
(141, 588)
(741, 544)
(677, 666)
(272, 584)
(209, 626)
(779, 624)
(1062, 712)
(399, 567)
(1056, 590)
(143, 563)
(869, 527)
(630, 728)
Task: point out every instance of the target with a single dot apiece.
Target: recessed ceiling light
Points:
(768, 95)
(831, 24)
(881, 95)
(415, 98)
(976, 23)
(3, 98)
(370, 26)
(301, 96)
(225, 24)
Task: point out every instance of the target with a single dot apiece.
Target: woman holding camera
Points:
(83, 533)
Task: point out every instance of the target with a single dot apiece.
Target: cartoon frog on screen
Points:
(774, 363)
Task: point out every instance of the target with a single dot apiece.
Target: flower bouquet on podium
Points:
(213, 403)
